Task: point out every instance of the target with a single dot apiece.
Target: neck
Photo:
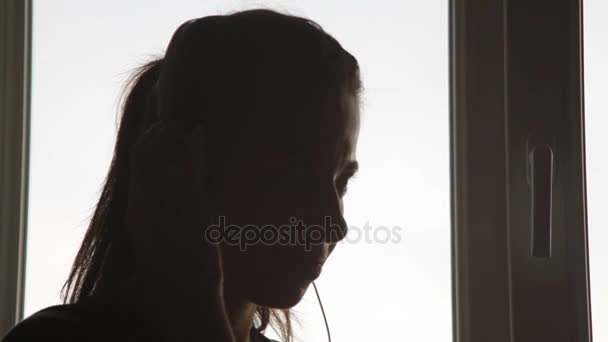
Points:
(240, 313)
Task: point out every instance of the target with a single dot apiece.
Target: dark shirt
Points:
(89, 321)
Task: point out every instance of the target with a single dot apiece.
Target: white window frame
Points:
(15, 56)
(516, 81)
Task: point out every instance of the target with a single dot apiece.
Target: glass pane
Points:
(596, 123)
(391, 277)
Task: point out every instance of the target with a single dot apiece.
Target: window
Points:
(521, 267)
(398, 207)
(478, 163)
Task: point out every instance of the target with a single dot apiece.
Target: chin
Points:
(285, 297)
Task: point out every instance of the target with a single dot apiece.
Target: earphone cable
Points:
(322, 311)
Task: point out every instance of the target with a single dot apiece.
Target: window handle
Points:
(541, 183)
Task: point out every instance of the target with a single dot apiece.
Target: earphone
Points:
(322, 311)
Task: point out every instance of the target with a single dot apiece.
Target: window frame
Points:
(516, 82)
(15, 57)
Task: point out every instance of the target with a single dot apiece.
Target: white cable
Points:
(322, 311)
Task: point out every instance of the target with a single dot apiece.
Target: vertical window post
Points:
(480, 254)
(15, 42)
(518, 172)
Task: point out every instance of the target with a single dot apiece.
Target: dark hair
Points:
(247, 53)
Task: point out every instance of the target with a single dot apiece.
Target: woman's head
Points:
(278, 99)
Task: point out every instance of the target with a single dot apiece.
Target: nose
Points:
(335, 228)
(322, 218)
(322, 213)
(332, 210)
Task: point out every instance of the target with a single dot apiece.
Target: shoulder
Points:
(65, 322)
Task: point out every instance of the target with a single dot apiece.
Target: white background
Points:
(82, 53)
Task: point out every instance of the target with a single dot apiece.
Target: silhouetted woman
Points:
(224, 196)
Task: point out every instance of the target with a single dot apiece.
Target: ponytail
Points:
(104, 257)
